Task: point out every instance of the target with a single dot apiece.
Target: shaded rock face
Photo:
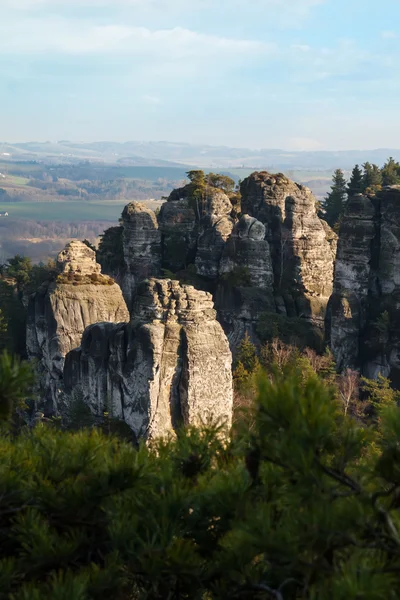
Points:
(141, 246)
(178, 227)
(302, 246)
(246, 280)
(195, 229)
(364, 311)
(170, 365)
(58, 314)
(348, 304)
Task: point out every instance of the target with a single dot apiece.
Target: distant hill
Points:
(170, 154)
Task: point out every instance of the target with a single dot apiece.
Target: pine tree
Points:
(391, 172)
(372, 178)
(356, 184)
(335, 202)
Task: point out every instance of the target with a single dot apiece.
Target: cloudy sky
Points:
(293, 74)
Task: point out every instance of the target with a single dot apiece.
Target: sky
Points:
(291, 74)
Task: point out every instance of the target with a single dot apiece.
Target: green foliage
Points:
(222, 182)
(379, 392)
(110, 254)
(16, 380)
(197, 178)
(298, 507)
(372, 178)
(291, 330)
(356, 183)
(19, 268)
(335, 202)
(391, 172)
(238, 277)
(12, 334)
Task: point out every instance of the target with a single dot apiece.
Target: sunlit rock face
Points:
(302, 246)
(171, 365)
(60, 311)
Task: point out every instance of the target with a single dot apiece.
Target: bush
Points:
(303, 506)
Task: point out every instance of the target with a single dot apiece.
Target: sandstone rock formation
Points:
(302, 246)
(246, 280)
(363, 316)
(142, 247)
(78, 258)
(215, 228)
(278, 258)
(348, 309)
(60, 311)
(170, 365)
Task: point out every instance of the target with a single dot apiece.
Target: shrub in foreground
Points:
(303, 506)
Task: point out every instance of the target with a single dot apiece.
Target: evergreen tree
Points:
(391, 172)
(335, 202)
(356, 183)
(372, 178)
(304, 505)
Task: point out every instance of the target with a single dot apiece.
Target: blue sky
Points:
(293, 74)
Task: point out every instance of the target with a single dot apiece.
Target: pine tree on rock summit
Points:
(335, 202)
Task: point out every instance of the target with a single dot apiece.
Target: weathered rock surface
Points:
(178, 227)
(58, 314)
(364, 312)
(170, 365)
(246, 280)
(142, 247)
(348, 305)
(302, 246)
(78, 258)
(278, 258)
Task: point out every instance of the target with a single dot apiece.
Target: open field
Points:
(62, 211)
(67, 211)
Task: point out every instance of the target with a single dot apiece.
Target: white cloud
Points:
(388, 35)
(36, 36)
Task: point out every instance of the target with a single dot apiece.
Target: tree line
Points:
(367, 179)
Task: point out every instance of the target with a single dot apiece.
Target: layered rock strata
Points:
(60, 311)
(171, 365)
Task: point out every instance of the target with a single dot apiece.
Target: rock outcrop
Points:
(60, 311)
(278, 258)
(364, 311)
(170, 365)
(302, 246)
(141, 245)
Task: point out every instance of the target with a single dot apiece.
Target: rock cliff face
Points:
(60, 311)
(170, 365)
(302, 246)
(142, 247)
(363, 316)
(246, 279)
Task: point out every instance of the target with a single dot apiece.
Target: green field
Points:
(63, 211)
